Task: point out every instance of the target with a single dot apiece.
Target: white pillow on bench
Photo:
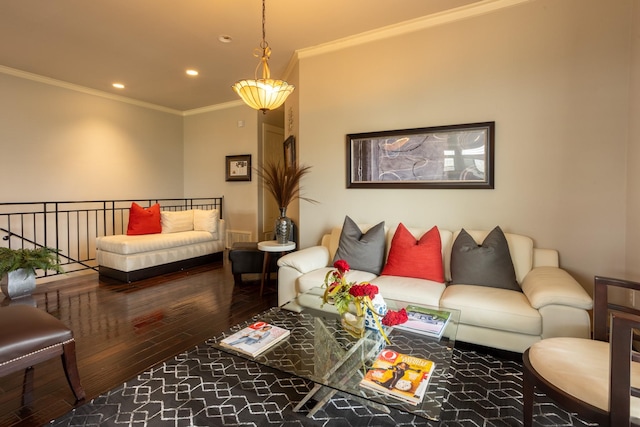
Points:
(205, 220)
(176, 221)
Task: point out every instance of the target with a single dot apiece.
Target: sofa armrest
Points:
(222, 230)
(545, 286)
(295, 264)
(306, 260)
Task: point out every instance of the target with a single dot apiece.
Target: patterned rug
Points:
(208, 387)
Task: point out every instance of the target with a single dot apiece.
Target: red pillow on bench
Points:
(144, 221)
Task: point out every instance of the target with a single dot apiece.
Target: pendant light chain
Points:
(264, 22)
(263, 93)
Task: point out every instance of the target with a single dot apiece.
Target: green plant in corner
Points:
(42, 258)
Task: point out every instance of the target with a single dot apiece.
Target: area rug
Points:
(208, 387)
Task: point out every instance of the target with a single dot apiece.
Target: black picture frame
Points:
(238, 168)
(289, 148)
(450, 157)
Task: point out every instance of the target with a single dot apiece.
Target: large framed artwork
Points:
(238, 168)
(454, 156)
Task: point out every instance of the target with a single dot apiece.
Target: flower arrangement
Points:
(361, 295)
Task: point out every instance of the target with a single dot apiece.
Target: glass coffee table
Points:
(318, 349)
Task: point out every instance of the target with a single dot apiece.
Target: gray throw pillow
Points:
(363, 251)
(488, 264)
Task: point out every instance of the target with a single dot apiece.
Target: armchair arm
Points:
(545, 286)
(306, 260)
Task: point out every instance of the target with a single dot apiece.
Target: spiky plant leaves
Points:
(284, 183)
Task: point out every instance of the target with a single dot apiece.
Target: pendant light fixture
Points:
(263, 93)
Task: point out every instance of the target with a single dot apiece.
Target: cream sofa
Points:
(189, 238)
(551, 303)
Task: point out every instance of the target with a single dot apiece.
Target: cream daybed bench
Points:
(187, 239)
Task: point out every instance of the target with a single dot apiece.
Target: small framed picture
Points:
(290, 152)
(238, 168)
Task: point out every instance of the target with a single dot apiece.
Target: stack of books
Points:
(425, 321)
(399, 375)
(255, 338)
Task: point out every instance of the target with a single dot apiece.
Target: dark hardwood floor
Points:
(122, 330)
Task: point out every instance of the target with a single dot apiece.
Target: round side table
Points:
(269, 247)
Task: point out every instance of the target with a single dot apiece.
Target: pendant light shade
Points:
(263, 93)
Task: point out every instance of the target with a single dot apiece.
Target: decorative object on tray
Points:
(284, 185)
(354, 300)
(399, 375)
(255, 338)
(18, 269)
(426, 321)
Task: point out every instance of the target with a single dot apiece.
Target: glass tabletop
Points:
(318, 349)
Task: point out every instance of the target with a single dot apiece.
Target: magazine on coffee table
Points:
(426, 321)
(399, 375)
(255, 338)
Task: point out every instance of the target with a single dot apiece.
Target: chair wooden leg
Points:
(237, 279)
(71, 369)
(27, 387)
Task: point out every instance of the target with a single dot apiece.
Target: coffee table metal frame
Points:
(318, 349)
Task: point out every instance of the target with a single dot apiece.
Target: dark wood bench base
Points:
(145, 273)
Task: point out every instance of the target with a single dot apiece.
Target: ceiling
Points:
(148, 44)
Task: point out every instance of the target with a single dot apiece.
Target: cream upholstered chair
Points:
(596, 379)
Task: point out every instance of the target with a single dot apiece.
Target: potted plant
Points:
(18, 268)
(284, 185)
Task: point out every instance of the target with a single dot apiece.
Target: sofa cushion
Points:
(126, 245)
(409, 257)
(488, 264)
(410, 289)
(363, 251)
(493, 308)
(144, 221)
(176, 221)
(205, 220)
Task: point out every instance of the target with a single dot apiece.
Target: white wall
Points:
(633, 156)
(61, 144)
(208, 138)
(554, 76)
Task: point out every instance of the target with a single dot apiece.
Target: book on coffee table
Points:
(426, 321)
(255, 338)
(399, 375)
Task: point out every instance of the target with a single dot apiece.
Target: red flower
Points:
(341, 265)
(364, 289)
(395, 317)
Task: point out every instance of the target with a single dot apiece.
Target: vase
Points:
(353, 324)
(283, 227)
(18, 283)
(380, 308)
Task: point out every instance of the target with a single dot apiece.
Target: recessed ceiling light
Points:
(224, 38)
(118, 85)
(192, 72)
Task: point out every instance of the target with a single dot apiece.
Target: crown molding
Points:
(77, 88)
(475, 9)
(215, 107)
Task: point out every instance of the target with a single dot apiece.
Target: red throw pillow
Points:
(409, 257)
(144, 221)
